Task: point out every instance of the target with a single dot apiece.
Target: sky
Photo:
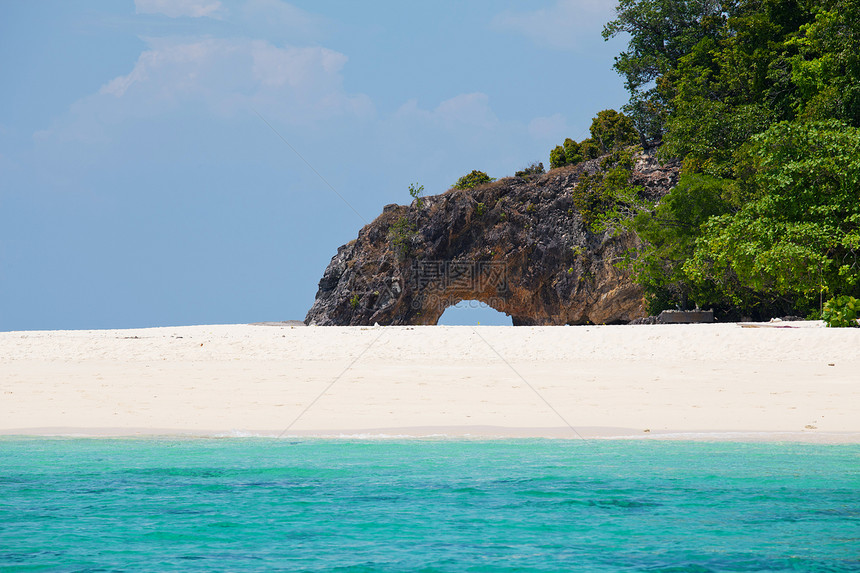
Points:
(178, 162)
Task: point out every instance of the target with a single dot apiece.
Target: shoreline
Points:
(443, 433)
(704, 382)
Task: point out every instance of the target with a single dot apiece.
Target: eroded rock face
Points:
(518, 245)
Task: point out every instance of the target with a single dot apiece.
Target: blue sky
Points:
(140, 184)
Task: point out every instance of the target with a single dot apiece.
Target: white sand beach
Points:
(717, 381)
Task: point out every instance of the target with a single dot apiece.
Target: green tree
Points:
(610, 130)
(402, 234)
(533, 169)
(707, 133)
(606, 198)
(733, 85)
(841, 312)
(660, 32)
(745, 93)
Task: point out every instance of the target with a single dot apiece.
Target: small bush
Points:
(401, 234)
(417, 192)
(480, 208)
(533, 169)
(472, 180)
(841, 312)
(353, 302)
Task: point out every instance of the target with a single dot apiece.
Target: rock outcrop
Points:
(518, 245)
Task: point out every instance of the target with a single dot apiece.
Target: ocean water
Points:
(426, 505)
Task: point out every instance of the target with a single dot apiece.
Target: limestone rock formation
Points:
(517, 244)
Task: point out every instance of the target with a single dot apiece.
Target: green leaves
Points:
(610, 131)
(557, 157)
(660, 32)
(669, 232)
(606, 199)
(417, 193)
(826, 67)
(536, 168)
(841, 312)
(401, 235)
(572, 152)
(786, 227)
(797, 219)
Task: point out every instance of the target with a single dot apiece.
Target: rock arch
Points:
(519, 245)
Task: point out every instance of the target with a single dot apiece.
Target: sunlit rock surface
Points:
(517, 244)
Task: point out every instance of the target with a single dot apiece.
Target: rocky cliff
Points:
(518, 244)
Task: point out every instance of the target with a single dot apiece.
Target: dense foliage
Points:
(669, 232)
(760, 99)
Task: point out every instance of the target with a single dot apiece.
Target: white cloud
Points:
(225, 78)
(464, 110)
(179, 8)
(467, 109)
(559, 26)
(228, 75)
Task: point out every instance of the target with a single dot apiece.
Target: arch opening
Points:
(473, 313)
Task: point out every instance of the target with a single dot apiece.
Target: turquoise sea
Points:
(426, 505)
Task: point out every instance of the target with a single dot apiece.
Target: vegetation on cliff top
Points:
(610, 130)
(472, 180)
